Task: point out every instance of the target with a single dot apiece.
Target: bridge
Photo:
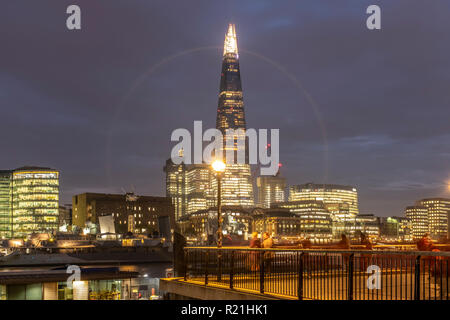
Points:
(310, 274)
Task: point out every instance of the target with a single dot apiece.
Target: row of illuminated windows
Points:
(27, 228)
(40, 204)
(36, 197)
(36, 182)
(51, 211)
(40, 175)
(138, 222)
(36, 189)
(35, 219)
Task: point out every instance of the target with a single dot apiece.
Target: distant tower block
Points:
(271, 189)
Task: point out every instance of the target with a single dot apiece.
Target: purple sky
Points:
(100, 104)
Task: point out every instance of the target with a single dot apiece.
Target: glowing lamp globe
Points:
(218, 166)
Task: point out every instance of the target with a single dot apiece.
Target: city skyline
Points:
(84, 128)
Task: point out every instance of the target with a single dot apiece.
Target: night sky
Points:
(358, 107)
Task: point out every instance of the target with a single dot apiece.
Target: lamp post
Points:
(219, 167)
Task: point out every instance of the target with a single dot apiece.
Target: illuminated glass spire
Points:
(237, 187)
(230, 45)
(230, 111)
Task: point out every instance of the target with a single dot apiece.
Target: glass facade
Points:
(419, 220)
(5, 204)
(271, 189)
(315, 221)
(176, 186)
(328, 193)
(438, 211)
(237, 185)
(35, 201)
(230, 113)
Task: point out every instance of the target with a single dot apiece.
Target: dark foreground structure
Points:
(242, 273)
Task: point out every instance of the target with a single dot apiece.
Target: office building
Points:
(176, 186)
(202, 224)
(429, 215)
(271, 189)
(65, 215)
(438, 214)
(5, 204)
(328, 193)
(418, 215)
(395, 229)
(137, 214)
(29, 201)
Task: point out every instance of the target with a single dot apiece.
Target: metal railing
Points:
(322, 274)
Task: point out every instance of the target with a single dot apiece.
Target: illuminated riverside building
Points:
(328, 193)
(65, 215)
(368, 224)
(35, 201)
(142, 212)
(191, 187)
(194, 187)
(5, 204)
(438, 216)
(200, 182)
(271, 189)
(278, 222)
(418, 215)
(315, 221)
(202, 224)
(176, 186)
(395, 229)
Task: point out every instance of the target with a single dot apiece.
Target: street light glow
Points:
(218, 166)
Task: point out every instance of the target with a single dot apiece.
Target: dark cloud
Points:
(100, 104)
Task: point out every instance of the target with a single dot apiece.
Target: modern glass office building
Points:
(419, 220)
(35, 201)
(271, 189)
(237, 185)
(438, 215)
(328, 193)
(176, 186)
(5, 204)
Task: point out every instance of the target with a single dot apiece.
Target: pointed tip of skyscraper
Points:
(230, 44)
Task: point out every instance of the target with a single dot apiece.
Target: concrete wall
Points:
(176, 289)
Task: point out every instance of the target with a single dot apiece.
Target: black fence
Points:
(322, 274)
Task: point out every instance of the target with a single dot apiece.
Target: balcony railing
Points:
(322, 274)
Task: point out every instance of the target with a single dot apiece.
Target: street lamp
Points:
(219, 167)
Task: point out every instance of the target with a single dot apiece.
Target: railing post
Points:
(231, 269)
(206, 267)
(350, 278)
(261, 272)
(219, 265)
(185, 260)
(417, 279)
(300, 277)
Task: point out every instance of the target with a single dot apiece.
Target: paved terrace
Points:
(242, 273)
